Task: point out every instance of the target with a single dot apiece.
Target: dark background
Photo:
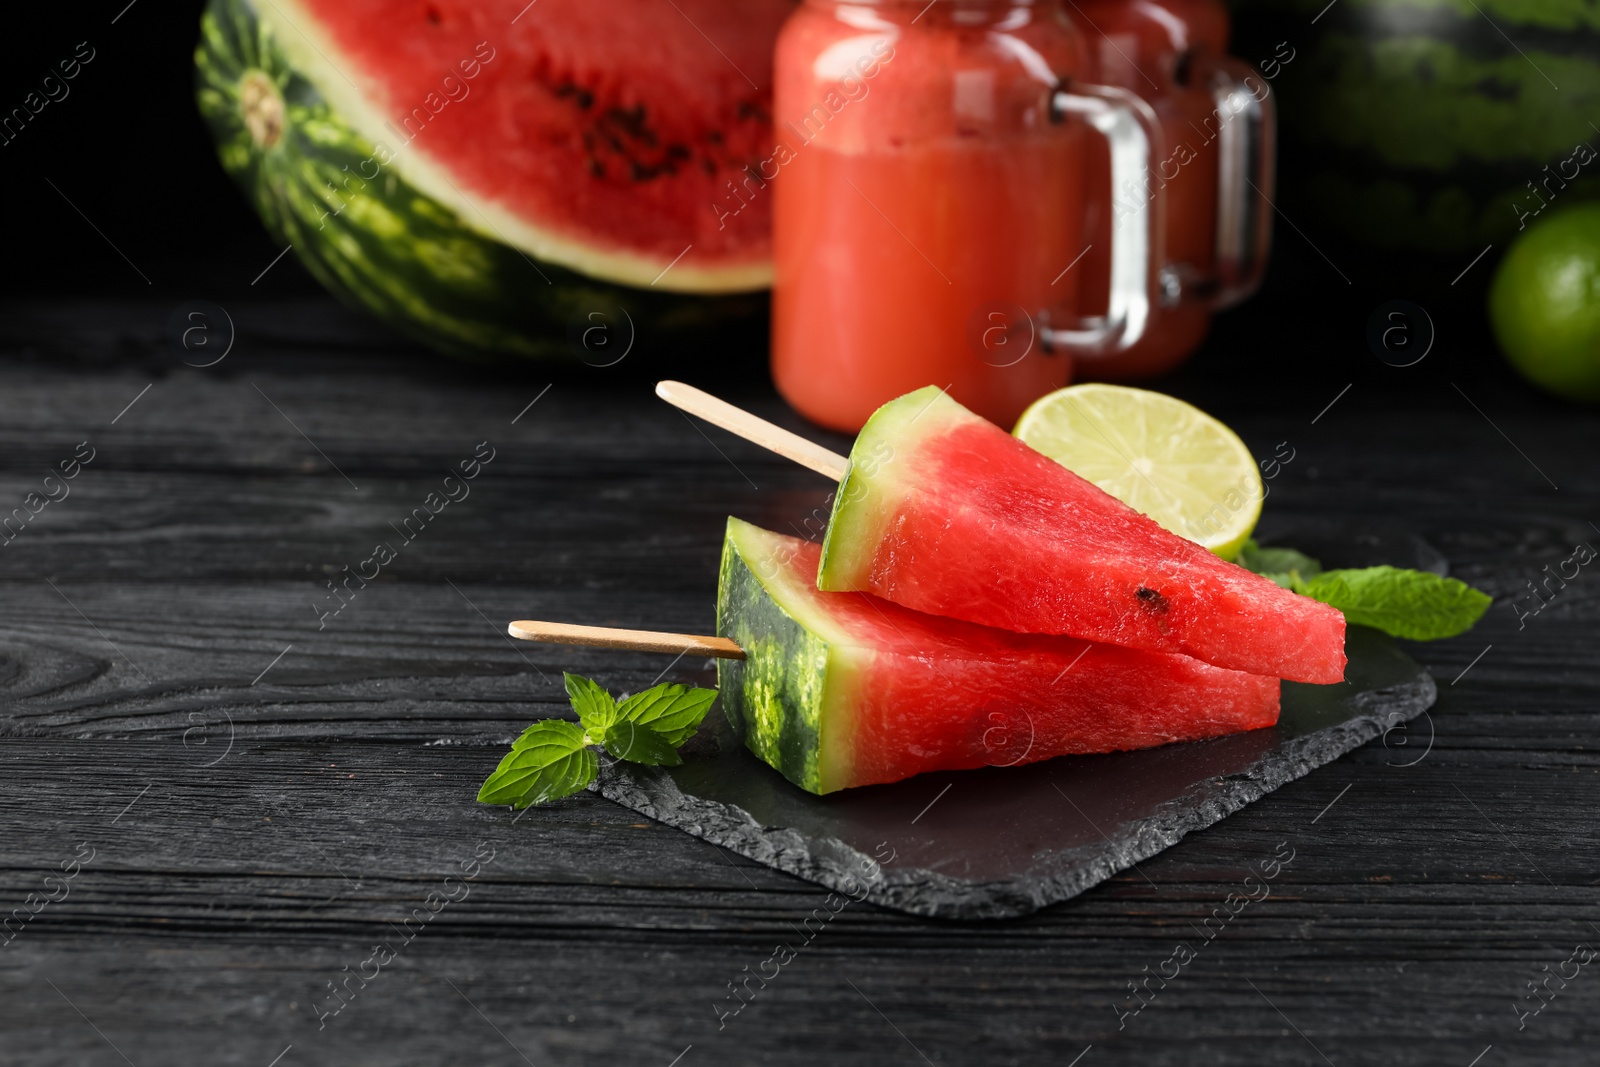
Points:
(1425, 897)
(128, 148)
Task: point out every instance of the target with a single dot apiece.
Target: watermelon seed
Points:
(584, 97)
(1152, 600)
(632, 123)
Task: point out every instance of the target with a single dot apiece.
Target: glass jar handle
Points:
(1246, 151)
(1134, 133)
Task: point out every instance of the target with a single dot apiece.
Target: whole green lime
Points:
(1544, 303)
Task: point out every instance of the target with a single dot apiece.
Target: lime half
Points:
(1156, 454)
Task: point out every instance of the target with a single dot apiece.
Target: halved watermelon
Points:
(484, 173)
(845, 689)
(945, 513)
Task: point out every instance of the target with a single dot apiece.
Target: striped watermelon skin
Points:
(1417, 124)
(383, 246)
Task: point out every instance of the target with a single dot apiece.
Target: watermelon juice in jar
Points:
(1215, 169)
(928, 197)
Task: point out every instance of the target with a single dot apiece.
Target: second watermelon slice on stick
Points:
(945, 513)
(841, 689)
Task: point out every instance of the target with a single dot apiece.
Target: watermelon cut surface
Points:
(845, 689)
(945, 513)
(596, 135)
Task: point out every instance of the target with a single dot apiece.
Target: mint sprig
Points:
(1416, 605)
(673, 711)
(553, 758)
(1279, 564)
(595, 707)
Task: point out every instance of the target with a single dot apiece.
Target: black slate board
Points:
(1004, 841)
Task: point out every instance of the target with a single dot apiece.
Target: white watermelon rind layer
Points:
(877, 477)
(337, 77)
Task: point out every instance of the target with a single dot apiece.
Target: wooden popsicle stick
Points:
(561, 633)
(752, 428)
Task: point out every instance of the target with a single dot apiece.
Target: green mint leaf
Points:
(641, 744)
(1416, 605)
(552, 758)
(549, 761)
(595, 707)
(673, 711)
(1281, 565)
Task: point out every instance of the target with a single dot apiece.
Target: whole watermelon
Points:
(496, 182)
(1429, 125)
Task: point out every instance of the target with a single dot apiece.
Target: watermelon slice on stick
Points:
(943, 512)
(836, 690)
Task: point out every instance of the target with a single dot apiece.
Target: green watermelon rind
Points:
(380, 244)
(1560, 15)
(1401, 99)
(868, 491)
(1417, 124)
(1380, 184)
(777, 698)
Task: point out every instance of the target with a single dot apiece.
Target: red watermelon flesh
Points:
(845, 689)
(598, 135)
(944, 512)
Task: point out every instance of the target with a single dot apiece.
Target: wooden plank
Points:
(258, 879)
(285, 811)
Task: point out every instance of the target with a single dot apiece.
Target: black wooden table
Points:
(217, 796)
